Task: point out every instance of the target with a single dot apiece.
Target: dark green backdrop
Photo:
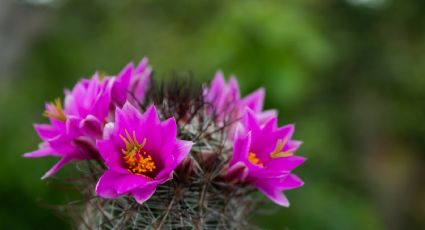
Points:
(350, 74)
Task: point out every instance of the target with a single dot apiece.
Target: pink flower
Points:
(141, 153)
(263, 156)
(74, 128)
(227, 103)
(132, 83)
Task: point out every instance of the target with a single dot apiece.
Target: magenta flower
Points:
(74, 128)
(227, 103)
(141, 152)
(263, 156)
(132, 83)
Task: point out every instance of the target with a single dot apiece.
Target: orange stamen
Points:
(138, 162)
(252, 157)
(277, 153)
(55, 110)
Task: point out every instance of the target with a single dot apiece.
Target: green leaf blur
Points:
(350, 74)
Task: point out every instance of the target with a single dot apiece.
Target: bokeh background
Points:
(349, 73)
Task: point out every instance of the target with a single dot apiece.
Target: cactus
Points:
(168, 156)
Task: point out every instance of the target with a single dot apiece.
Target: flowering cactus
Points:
(168, 156)
(140, 152)
(74, 129)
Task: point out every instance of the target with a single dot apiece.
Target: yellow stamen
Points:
(138, 162)
(252, 157)
(102, 75)
(55, 110)
(277, 153)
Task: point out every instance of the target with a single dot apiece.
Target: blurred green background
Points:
(349, 73)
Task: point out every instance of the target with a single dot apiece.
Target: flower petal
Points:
(111, 156)
(108, 130)
(180, 152)
(142, 195)
(264, 116)
(168, 135)
(121, 84)
(241, 148)
(292, 181)
(238, 171)
(106, 185)
(128, 182)
(142, 66)
(151, 115)
(213, 94)
(233, 94)
(255, 100)
(91, 126)
(42, 152)
(65, 159)
(46, 131)
(274, 194)
(286, 131)
(250, 121)
(285, 163)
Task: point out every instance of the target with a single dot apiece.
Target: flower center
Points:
(277, 153)
(55, 110)
(137, 161)
(252, 157)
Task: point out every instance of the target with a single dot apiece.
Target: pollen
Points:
(137, 161)
(277, 153)
(55, 110)
(252, 157)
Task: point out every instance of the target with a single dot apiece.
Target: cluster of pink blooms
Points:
(101, 119)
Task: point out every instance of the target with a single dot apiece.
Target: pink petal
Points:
(238, 171)
(141, 86)
(264, 116)
(73, 126)
(142, 195)
(124, 77)
(121, 84)
(234, 93)
(65, 159)
(141, 80)
(128, 115)
(128, 118)
(101, 106)
(270, 125)
(128, 182)
(250, 121)
(168, 135)
(255, 100)
(108, 130)
(213, 94)
(286, 164)
(46, 131)
(180, 152)
(151, 115)
(286, 131)
(143, 64)
(105, 186)
(150, 128)
(294, 145)
(62, 145)
(91, 126)
(42, 152)
(292, 181)
(241, 148)
(275, 195)
(110, 155)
